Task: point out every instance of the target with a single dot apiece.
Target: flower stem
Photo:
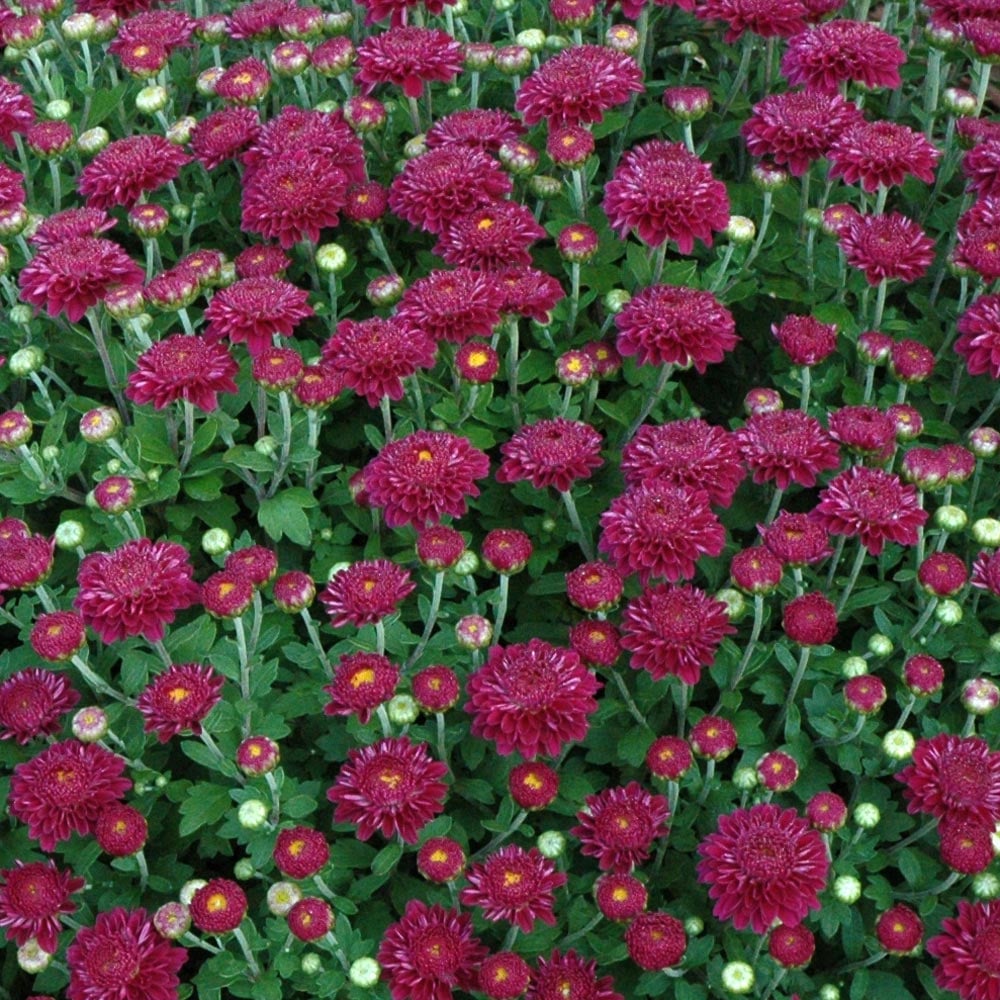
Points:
(315, 640)
(859, 559)
(252, 967)
(800, 672)
(634, 710)
(583, 538)
(432, 614)
(651, 400)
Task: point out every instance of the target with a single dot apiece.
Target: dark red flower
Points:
(504, 976)
(261, 261)
(792, 947)
(245, 82)
(899, 930)
(882, 153)
(32, 704)
(452, 305)
(665, 193)
(121, 830)
(594, 587)
(981, 165)
(656, 941)
(533, 785)
(968, 951)
(361, 682)
(618, 826)
(70, 224)
(531, 697)
(253, 310)
(796, 539)
(756, 570)
(506, 550)
(578, 85)
(440, 860)
(490, 237)
(219, 906)
(568, 976)
(761, 865)
(310, 919)
(182, 367)
(527, 292)
(300, 852)
(179, 699)
(805, 339)
(620, 896)
(979, 336)
(223, 135)
(766, 18)
(923, 675)
(126, 169)
(57, 635)
(435, 688)
(365, 592)
(392, 786)
(32, 898)
(713, 737)
(886, 247)
(979, 249)
(966, 844)
(786, 446)
(826, 811)
(669, 757)
(408, 57)
(864, 430)
(482, 128)
(556, 452)
(16, 111)
(810, 619)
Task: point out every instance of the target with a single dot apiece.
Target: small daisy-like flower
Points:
(490, 237)
(445, 183)
(669, 757)
(531, 697)
(556, 452)
(674, 631)
(826, 812)
(440, 860)
(128, 168)
(620, 896)
(392, 786)
(979, 336)
(968, 950)
(504, 976)
(32, 704)
(365, 592)
(805, 339)
(713, 737)
(528, 292)
(436, 688)
(675, 325)
(761, 865)
(882, 153)
(666, 193)
(123, 956)
(865, 694)
(57, 635)
(656, 941)
(766, 18)
(223, 135)
(121, 830)
(420, 478)
(792, 947)
(514, 885)
(618, 826)
(135, 590)
(966, 845)
(482, 128)
(310, 919)
(887, 247)
(218, 906)
(569, 976)
(245, 82)
(429, 952)
(594, 587)
(578, 85)
(32, 898)
(597, 642)
(827, 55)
(864, 430)
(179, 699)
(408, 57)
(796, 128)
(253, 310)
(810, 620)
(182, 367)
(786, 446)
(361, 682)
(374, 355)
(899, 930)
(569, 146)
(796, 539)
(533, 785)
(62, 790)
(452, 305)
(923, 675)
(300, 852)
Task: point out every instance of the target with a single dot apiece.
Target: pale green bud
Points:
(468, 563)
(867, 815)
(79, 27)
(364, 972)
(21, 314)
(951, 518)
(898, 744)
(282, 896)
(854, 666)
(735, 602)
(267, 446)
(532, 39)
(986, 531)
(847, 889)
(253, 814)
(151, 99)
(745, 778)
(402, 710)
(93, 140)
(189, 888)
(693, 926)
(986, 885)
(738, 977)
(31, 958)
(216, 541)
(880, 645)
(740, 230)
(69, 535)
(948, 612)
(244, 869)
(58, 110)
(829, 992)
(311, 964)
(414, 147)
(616, 300)
(551, 844)
(331, 258)
(26, 360)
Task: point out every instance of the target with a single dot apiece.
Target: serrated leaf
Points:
(205, 804)
(282, 516)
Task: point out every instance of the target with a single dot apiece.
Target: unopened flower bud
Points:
(21, 314)
(172, 920)
(880, 645)
(556, 43)
(616, 300)
(473, 632)
(331, 258)
(958, 102)
(622, 38)
(151, 99)
(984, 442)
(986, 885)
(15, 430)
(93, 140)
(867, 815)
(415, 147)
(693, 926)
(768, 177)
(543, 186)
(189, 888)
(740, 230)
(69, 534)
(951, 518)
(282, 896)
(79, 27)
(244, 869)
(468, 563)
(986, 531)
(90, 724)
(854, 666)
(311, 963)
(735, 602)
(738, 977)
(551, 844)
(364, 972)
(58, 110)
(745, 779)
(266, 446)
(100, 424)
(980, 696)
(216, 541)
(402, 710)
(898, 744)
(948, 612)
(829, 992)
(253, 814)
(847, 889)
(179, 132)
(31, 958)
(532, 39)
(25, 361)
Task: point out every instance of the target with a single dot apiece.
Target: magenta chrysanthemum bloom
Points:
(63, 789)
(123, 957)
(675, 325)
(882, 154)
(657, 529)
(408, 57)
(430, 952)
(423, 477)
(981, 165)
(292, 198)
(445, 183)
(126, 169)
(300, 852)
(666, 193)
(796, 539)
(70, 224)
(810, 619)
(16, 111)
(490, 237)
(361, 682)
(527, 292)
(766, 18)
(70, 277)
(223, 135)
(254, 310)
(796, 128)
(979, 248)
(179, 699)
(365, 592)
(968, 951)
(953, 776)
(514, 885)
(761, 865)
(805, 339)
(482, 128)
(872, 504)
(374, 355)
(674, 631)
(393, 786)
(452, 305)
(618, 826)
(135, 590)
(245, 82)
(832, 53)
(182, 367)
(569, 976)
(864, 430)
(979, 336)
(578, 85)
(531, 697)
(556, 452)
(379, 10)
(688, 453)
(32, 704)
(25, 559)
(32, 897)
(786, 446)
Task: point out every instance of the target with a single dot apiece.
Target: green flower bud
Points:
(551, 844)
(364, 972)
(880, 645)
(93, 140)
(986, 885)
(693, 926)
(738, 977)
(829, 992)
(267, 446)
(151, 99)
(549, 524)
(616, 300)
(468, 563)
(326, 107)
(847, 889)
(986, 531)
(216, 541)
(31, 958)
(532, 39)
(740, 230)
(180, 212)
(189, 888)
(331, 258)
(179, 132)
(948, 612)
(734, 601)
(26, 360)
(69, 535)
(79, 27)
(21, 314)
(244, 869)
(854, 666)
(898, 744)
(557, 43)
(994, 642)
(58, 110)
(311, 963)
(745, 778)
(688, 49)
(402, 710)
(951, 518)
(867, 815)
(414, 147)
(543, 186)
(252, 814)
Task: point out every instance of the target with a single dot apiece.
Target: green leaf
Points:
(282, 516)
(206, 803)
(387, 859)
(102, 104)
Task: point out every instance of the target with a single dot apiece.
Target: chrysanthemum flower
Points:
(568, 976)
(810, 619)
(872, 504)
(864, 430)
(123, 956)
(756, 570)
(420, 478)
(766, 18)
(656, 941)
(796, 128)
(70, 224)
(953, 775)
(761, 865)
(834, 52)
(503, 976)
(979, 249)
(135, 590)
(578, 85)
(179, 699)
(245, 82)
(665, 193)
(556, 452)
(792, 947)
(490, 237)
(361, 682)
(674, 631)
(482, 128)
(57, 635)
(25, 559)
(218, 906)
(429, 952)
(594, 587)
(70, 277)
(805, 339)
(527, 292)
(452, 305)
(32, 898)
(669, 757)
(182, 367)
(254, 310)
(121, 830)
(981, 165)
(300, 852)
(440, 860)
(786, 446)
(899, 930)
(365, 592)
(62, 790)
(826, 812)
(966, 845)
(16, 111)
(439, 547)
(32, 704)
(979, 336)
(942, 574)
(675, 325)
(923, 675)
(887, 247)
(597, 642)
(968, 950)
(514, 885)
(223, 135)
(506, 550)
(796, 539)
(882, 153)
(618, 826)
(261, 261)
(620, 897)
(657, 529)
(127, 168)
(393, 786)
(408, 57)
(531, 697)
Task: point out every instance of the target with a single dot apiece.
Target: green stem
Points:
(859, 559)
(800, 672)
(651, 400)
(315, 640)
(583, 537)
(252, 967)
(432, 614)
(634, 710)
